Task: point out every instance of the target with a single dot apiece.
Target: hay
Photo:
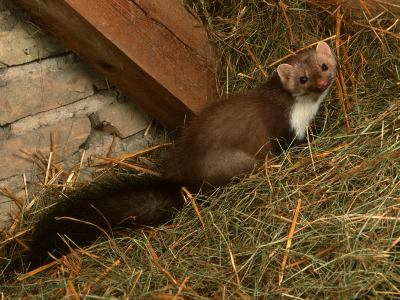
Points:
(345, 240)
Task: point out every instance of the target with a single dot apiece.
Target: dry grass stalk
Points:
(378, 29)
(33, 272)
(17, 201)
(53, 150)
(289, 241)
(301, 49)
(346, 246)
(148, 127)
(188, 194)
(255, 60)
(126, 165)
(284, 7)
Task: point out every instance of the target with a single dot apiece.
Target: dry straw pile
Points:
(319, 222)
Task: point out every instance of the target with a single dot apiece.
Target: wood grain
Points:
(153, 51)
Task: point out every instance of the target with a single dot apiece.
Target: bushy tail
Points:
(125, 204)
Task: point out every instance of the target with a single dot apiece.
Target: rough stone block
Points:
(70, 134)
(22, 41)
(41, 86)
(49, 118)
(15, 184)
(94, 144)
(124, 116)
(4, 134)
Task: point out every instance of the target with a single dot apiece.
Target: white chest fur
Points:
(303, 111)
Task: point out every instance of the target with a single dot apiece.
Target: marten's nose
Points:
(321, 83)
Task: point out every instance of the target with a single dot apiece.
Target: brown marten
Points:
(221, 142)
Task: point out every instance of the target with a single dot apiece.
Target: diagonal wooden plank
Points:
(153, 51)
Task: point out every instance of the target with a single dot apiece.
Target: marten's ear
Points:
(323, 48)
(284, 71)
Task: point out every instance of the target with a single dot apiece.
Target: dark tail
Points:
(117, 204)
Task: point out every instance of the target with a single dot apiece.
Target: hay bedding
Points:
(319, 222)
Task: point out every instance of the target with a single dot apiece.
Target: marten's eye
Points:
(303, 80)
(324, 67)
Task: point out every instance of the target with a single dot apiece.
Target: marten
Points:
(224, 140)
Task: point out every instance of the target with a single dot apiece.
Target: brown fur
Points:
(223, 141)
(228, 136)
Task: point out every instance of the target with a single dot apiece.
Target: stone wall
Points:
(44, 86)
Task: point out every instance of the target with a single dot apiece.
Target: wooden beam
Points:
(153, 51)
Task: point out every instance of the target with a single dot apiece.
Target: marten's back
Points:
(227, 137)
